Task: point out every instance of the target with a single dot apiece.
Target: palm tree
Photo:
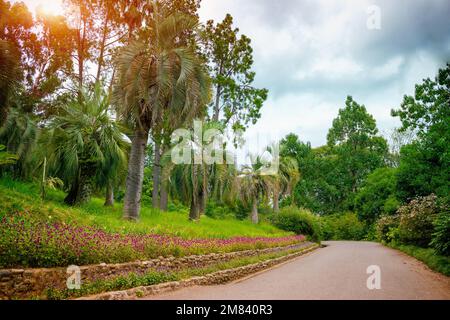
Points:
(83, 142)
(285, 179)
(190, 183)
(254, 183)
(155, 78)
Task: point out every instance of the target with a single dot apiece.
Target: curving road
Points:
(337, 271)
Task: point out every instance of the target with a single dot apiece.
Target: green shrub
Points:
(219, 211)
(384, 228)
(344, 226)
(416, 220)
(300, 221)
(441, 236)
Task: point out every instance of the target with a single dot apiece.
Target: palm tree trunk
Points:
(109, 199)
(276, 195)
(194, 213)
(135, 176)
(156, 176)
(203, 198)
(255, 218)
(164, 196)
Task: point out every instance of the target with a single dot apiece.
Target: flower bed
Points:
(27, 242)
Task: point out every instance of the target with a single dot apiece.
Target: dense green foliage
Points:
(441, 235)
(377, 195)
(345, 226)
(300, 221)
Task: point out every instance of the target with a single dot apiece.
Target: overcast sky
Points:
(311, 54)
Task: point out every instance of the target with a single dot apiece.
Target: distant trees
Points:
(331, 175)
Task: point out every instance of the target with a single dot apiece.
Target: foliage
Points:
(84, 145)
(424, 165)
(229, 59)
(297, 220)
(416, 220)
(441, 235)
(387, 228)
(9, 76)
(254, 184)
(345, 226)
(359, 150)
(377, 195)
(6, 157)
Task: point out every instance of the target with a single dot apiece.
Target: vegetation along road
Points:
(337, 271)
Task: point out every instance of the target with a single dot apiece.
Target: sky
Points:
(311, 54)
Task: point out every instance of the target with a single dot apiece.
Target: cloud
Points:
(311, 54)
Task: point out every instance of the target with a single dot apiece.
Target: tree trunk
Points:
(203, 198)
(164, 196)
(194, 213)
(135, 176)
(255, 218)
(71, 197)
(156, 175)
(102, 48)
(276, 195)
(109, 199)
(217, 104)
(81, 190)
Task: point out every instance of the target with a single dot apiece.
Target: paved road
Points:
(337, 271)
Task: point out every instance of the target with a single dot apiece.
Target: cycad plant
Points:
(83, 142)
(157, 76)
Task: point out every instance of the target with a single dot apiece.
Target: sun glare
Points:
(49, 7)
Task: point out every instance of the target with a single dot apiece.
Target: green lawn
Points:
(20, 196)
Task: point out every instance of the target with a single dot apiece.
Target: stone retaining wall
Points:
(25, 283)
(215, 278)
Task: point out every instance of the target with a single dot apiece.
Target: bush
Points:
(441, 236)
(300, 221)
(416, 220)
(343, 227)
(387, 228)
(219, 211)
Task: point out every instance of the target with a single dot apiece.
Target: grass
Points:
(428, 256)
(133, 280)
(25, 196)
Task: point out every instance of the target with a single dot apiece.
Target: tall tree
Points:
(230, 58)
(153, 78)
(354, 138)
(424, 165)
(10, 75)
